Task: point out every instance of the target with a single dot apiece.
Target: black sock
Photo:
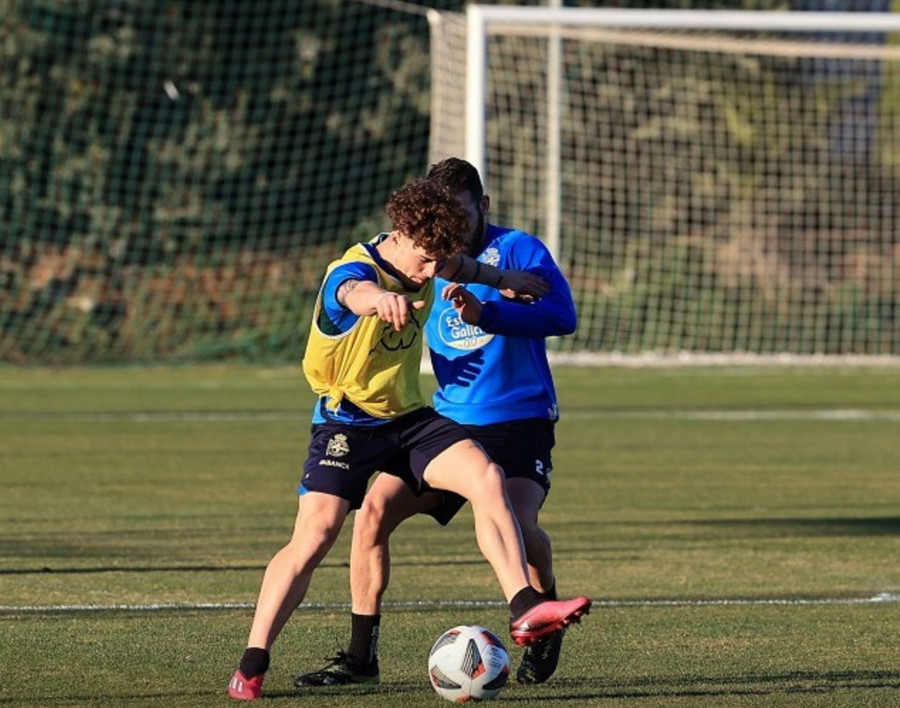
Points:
(364, 637)
(254, 662)
(524, 600)
(551, 593)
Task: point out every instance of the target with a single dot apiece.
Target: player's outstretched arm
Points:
(366, 298)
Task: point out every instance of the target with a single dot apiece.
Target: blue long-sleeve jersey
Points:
(498, 371)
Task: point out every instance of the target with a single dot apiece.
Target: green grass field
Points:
(738, 528)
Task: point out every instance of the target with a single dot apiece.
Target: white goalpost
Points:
(717, 185)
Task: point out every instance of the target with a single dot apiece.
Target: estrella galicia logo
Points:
(460, 335)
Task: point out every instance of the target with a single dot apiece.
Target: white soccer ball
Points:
(468, 663)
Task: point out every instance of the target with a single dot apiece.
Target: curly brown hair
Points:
(430, 214)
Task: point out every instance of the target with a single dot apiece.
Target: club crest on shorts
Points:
(337, 446)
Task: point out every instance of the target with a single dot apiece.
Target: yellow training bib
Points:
(371, 365)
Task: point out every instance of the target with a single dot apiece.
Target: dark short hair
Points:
(429, 213)
(459, 175)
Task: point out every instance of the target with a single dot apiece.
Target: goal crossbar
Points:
(483, 20)
(717, 185)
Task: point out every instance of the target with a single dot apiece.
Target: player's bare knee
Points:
(309, 552)
(369, 520)
(487, 483)
(490, 474)
(313, 540)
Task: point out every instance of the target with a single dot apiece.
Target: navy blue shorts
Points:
(521, 447)
(343, 457)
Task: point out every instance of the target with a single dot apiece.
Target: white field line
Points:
(880, 598)
(730, 415)
(176, 416)
(827, 415)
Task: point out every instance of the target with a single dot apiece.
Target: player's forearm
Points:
(463, 269)
(549, 317)
(360, 296)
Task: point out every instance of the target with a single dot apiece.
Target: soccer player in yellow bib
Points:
(362, 359)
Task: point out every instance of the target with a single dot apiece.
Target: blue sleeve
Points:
(552, 315)
(334, 317)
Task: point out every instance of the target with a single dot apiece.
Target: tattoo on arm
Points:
(344, 289)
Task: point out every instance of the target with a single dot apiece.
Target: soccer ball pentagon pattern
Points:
(468, 663)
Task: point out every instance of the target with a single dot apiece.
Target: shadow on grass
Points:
(798, 682)
(736, 528)
(852, 526)
(182, 698)
(47, 570)
(574, 691)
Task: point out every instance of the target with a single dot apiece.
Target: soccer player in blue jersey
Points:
(488, 351)
(362, 359)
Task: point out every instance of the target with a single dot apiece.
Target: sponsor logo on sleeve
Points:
(491, 256)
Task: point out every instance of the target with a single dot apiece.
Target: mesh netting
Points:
(174, 175)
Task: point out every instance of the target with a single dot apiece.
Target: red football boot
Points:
(545, 618)
(240, 688)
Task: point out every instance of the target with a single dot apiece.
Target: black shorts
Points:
(521, 447)
(342, 457)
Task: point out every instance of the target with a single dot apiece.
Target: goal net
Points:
(175, 175)
(713, 183)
